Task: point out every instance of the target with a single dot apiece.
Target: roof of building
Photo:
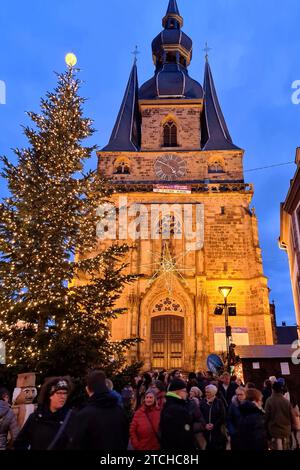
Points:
(173, 8)
(127, 130)
(172, 53)
(286, 334)
(172, 81)
(264, 352)
(172, 11)
(215, 134)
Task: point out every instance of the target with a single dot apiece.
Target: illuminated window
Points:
(170, 134)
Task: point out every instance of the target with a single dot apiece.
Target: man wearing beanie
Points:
(176, 423)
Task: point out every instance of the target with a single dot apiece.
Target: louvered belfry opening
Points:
(170, 134)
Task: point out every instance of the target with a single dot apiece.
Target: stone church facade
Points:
(171, 154)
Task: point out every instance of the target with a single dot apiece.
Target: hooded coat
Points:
(101, 425)
(8, 424)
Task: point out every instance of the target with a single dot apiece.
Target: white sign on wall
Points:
(240, 337)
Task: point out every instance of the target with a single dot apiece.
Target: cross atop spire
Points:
(206, 50)
(136, 52)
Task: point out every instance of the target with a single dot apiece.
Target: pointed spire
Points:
(173, 12)
(127, 131)
(215, 134)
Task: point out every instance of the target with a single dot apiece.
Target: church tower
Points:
(184, 207)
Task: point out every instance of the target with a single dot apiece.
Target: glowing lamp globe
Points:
(225, 291)
(71, 59)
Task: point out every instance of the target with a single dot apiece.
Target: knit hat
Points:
(176, 385)
(61, 384)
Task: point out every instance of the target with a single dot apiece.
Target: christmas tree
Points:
(47, 236)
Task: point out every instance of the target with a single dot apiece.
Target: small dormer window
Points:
(170, 134)
(122, 167)
(215, 167)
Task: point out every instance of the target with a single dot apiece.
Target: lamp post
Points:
(225, 291)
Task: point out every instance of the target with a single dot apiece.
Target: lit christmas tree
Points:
(49, 325)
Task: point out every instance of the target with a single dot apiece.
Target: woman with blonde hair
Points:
(144, 428)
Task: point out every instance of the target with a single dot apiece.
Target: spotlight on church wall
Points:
(232, 311)
(218, 310)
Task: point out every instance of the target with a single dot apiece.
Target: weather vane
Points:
(136, 52)
(206, 50)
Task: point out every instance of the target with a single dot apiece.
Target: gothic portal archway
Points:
(167, 335)
(167, 342)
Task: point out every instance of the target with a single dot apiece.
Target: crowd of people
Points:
(157, 411)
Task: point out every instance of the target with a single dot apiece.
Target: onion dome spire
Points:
(126, 135)
(215, 133)
(172, 54)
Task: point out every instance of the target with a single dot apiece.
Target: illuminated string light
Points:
(51, 215)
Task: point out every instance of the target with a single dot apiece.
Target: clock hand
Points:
(169, 166)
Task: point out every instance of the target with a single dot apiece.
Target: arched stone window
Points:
(122, 166)
(215, 166)
(170, 134)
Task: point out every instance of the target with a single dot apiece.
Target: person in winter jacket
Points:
(194, 401)
(267, 391)
(176, 424)
(4, 394)
(234, 417)
(252, 429)
(144, 429)
(42, 430)
(102, 424)
(160, 390)
(227, 389)
(8, 425)
(279, 418)
(214, 414)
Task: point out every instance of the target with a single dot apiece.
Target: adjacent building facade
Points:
(290, 233)
(180, 190)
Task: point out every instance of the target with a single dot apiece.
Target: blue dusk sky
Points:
(254, 59)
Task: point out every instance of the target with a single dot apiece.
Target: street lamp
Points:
(225, 291)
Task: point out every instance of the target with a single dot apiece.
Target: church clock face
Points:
(169, 167)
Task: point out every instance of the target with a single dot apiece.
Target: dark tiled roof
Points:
(286, 334)
(171, 37)
(215, 134)
(172, 81)
(126, 134)
(265, 352)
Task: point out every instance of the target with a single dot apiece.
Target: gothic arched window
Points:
(122, 167)
(215, 167)
(170, 134)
